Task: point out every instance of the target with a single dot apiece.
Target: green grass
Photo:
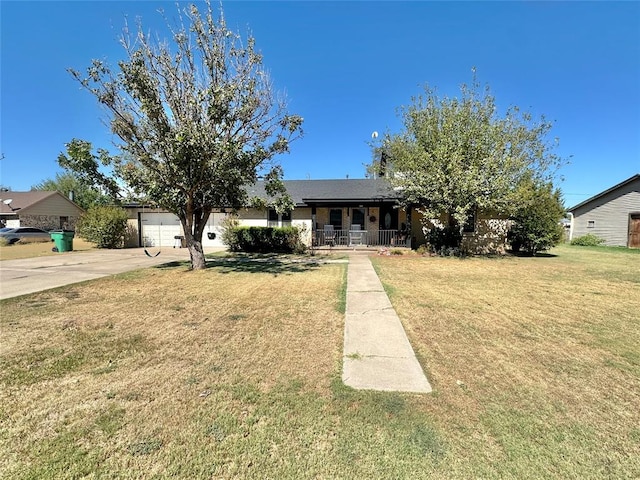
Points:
(235, 372)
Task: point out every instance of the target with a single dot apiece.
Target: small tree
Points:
(103, 225)
(198, 119)
(459, 154)
(536, 226)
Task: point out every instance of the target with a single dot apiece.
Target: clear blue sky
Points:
(346, 67)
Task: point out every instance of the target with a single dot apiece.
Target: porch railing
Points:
(353, 238)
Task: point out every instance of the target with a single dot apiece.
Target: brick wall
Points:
(48, 222)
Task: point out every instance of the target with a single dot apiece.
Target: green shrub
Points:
(589, 240)
(263, 239)
(422, 249)
(536, 224)
(3, 242)
(104, 226)
(445, 241)
(228, 235)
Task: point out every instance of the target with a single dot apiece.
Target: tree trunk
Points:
(193, 225)
(195, 252)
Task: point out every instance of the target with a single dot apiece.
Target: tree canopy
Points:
(456, 155)
(84, 195)
(197, 117)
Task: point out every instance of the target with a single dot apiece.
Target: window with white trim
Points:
(278, 220)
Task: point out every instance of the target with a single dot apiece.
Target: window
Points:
(357, 219)
(335, 218)
(591, 224)
(272, 218)
(275, 220)
(470, 224)
(286, 219)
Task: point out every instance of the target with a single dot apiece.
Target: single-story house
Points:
(330, 212)
(612, 215)
(343, 212)
(38, 208)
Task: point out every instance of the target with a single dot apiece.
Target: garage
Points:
(159, 229)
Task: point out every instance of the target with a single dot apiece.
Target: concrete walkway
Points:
(377, 353)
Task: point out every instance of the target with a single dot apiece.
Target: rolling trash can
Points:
(63, 240)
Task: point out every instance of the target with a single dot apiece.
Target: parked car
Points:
(13, 235)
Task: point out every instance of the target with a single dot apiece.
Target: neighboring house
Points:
(345, 212)
(613, 215)
(38, 208)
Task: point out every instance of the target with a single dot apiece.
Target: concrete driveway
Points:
(20, 277)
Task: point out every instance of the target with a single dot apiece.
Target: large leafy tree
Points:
(456, 155)
(197, 116)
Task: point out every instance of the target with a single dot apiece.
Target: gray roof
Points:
(308, 192)
(602, 194)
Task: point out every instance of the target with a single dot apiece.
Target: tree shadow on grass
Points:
(173, 264)
(263, 264)
(530, 255)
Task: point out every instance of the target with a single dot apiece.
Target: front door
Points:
(634, 230)
(388, 218)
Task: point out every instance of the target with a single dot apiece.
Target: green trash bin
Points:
(63, 240)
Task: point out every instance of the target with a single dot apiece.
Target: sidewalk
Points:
(377, 353)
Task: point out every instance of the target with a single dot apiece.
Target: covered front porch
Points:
(360, 225)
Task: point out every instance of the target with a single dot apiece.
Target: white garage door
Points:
(159, 229)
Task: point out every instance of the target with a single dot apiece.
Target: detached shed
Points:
(40, 209)
(613, 215)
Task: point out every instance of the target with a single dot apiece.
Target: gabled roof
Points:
(24, 200)
(307, 192)
(602, 194)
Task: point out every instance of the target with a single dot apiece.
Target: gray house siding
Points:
(607, 215)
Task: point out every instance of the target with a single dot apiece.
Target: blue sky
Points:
(346, 67)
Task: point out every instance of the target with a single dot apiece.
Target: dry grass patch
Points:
(29, 249)
(535, 361)
(234, 372)
(105, 374)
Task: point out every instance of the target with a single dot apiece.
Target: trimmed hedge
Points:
(264, 240)
(589, 240)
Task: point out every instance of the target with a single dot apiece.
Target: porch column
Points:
(409, 228)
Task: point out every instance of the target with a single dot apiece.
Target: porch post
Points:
(409, 228)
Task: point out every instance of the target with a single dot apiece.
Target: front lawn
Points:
(38, 249)
(535, 361)
(234, 372)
